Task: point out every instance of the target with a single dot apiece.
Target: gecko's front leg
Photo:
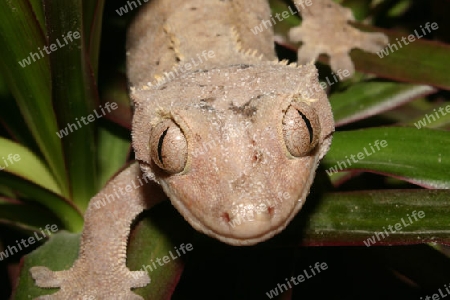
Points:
(100, 272)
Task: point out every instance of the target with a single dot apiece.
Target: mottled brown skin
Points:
(234, 141)
(230, 109)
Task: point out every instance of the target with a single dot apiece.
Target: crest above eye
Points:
(168, 147)
(301, 129)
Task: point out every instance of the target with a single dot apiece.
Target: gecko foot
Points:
(88, 285)
(326, 29)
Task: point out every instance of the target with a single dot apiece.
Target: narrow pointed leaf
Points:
(74, 96)
(27, 216)
(38, 11)
(113, 150)
(417, 156)
(93, 16)
(419, 62)
(351, 218)
(70, 217)
(22, 39)
(16, 159)
(370, 98)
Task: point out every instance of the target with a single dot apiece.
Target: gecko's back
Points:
(166, 33)
(235, 138)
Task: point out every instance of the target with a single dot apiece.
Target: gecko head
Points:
(239, 163)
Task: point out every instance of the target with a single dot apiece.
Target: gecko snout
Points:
(249, 220)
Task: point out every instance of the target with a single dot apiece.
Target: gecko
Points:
(228, 133)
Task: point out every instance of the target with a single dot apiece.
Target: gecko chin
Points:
(239, 224)
(247, 220)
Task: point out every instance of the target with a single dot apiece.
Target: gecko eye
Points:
(168, 147)
(301, 129)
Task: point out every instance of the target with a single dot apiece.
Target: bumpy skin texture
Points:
(239, 184)
(234, 140)
(100, 271)
(325, 29)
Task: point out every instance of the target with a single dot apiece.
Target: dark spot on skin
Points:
(241, 66)
(201, 85)
(218, 34)
(157, 63)
(209, 100)
(226, 217)
(203, 105)
(193, 8)
(200, 71)
(246, 109)
(163, 87)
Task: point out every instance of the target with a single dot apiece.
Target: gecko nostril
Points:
(271, 210)
(226, 217)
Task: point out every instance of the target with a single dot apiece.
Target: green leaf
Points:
(58, 253)
(402, 157)
(370, 98)
(419, 62)
(27, 216)
(433, 118)
(154, 237)
(93, 16)
(350, 218)
(38, 10)
(21, 36)
(114, 148)
(12, 120)
(115, 90)
(16, 159)
(70, 217)
(74, 96)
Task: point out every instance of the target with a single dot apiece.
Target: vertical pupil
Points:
(160, 143)
(308, 124)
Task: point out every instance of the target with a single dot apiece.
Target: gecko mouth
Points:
(248, 220)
